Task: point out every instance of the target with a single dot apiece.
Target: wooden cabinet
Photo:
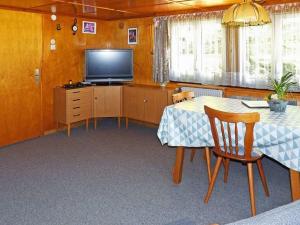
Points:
(155, 102)
(145, 103)
(142, 103)
(133, 103)
(73, 105)
(107, 102)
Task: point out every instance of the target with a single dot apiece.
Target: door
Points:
(20, 93)
(134, 103)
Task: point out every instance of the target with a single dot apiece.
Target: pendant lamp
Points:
(246, 13)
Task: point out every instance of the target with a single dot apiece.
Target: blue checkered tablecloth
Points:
(277, 135)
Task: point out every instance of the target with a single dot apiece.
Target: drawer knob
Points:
(76, 100)
(76, 115)
(76, 107)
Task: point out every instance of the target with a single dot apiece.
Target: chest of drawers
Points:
(73, 105)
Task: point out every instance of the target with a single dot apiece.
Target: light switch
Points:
(37, 72)
(52, 47)
(52, 44)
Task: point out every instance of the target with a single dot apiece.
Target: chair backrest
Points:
(182, 96)
(228, 133)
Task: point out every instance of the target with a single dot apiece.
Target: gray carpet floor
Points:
(112, 176)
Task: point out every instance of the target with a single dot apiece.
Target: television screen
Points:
(108, 65)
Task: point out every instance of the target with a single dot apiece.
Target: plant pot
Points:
(277, 105)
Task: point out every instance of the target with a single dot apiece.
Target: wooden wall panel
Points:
(20, 54)
(63, 64)
(115, 36)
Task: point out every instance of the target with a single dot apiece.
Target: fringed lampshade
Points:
(247, 13)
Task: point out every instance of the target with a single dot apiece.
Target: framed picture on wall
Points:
(132, 36)
(88, 27)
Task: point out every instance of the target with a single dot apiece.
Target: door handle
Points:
(37, 76)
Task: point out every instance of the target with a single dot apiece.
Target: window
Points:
(197, 49)
(255, 55)
(270, 50)
(289, 59)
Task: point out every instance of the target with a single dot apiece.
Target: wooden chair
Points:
(188, 95)
(231, 149)
(182, 96)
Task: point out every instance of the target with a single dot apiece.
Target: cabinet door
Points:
(99, 102)
(112, 101)
(107, 101)
(156, 101)
(133, 102)
(20, 93)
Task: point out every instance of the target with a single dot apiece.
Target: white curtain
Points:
(271, 50)
(197, 47)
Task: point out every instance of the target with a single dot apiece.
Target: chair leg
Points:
(226, 169)
(193, 152)
(251, 188)
(262, 177)
(207, 155)
(213, 179)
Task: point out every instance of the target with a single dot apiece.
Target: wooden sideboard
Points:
(145, 103)
(73, 105)
(138, 102)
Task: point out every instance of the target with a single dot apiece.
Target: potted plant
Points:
(277, 101)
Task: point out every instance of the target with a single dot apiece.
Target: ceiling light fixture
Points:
(246, 13)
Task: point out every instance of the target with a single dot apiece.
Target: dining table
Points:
(276, 135)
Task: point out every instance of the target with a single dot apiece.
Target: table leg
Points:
(295, 184)
(177, 169)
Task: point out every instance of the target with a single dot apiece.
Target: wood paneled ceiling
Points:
(120, 9)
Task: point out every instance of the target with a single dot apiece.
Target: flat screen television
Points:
(108, 65)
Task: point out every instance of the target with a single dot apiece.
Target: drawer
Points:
(79, 91)
(81, 108)
(78, 102)
(78, 99)
(79, 113)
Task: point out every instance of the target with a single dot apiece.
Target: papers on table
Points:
(255, 104)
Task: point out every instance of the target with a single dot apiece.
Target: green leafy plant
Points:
(282, 86)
